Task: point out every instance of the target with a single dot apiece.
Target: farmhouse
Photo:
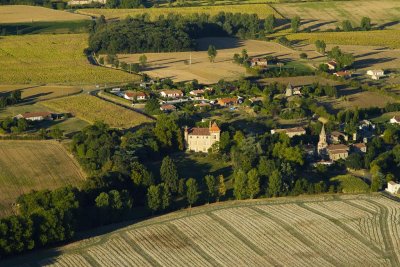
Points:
(290, 90)
(290, 131)
(336, 152)
(331, 65)
(360, 147)
(343, 74)
(376, 74)
(172, 93)
(201, 139)
(167, 108)
(133, 95)
(393, 187)
(198, 92)
(395, 120)
(258, 62)
(227, 101)
(35, 116)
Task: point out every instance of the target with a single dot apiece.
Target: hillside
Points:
(303, 231)
(19, 14)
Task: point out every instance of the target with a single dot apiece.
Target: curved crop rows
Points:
(347, 230)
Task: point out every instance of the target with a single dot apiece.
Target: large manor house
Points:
(201, 139)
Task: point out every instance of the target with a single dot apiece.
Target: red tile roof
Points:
(168, 107)
(214, 128)
(339, 147)
(134, 94)
(172, 92)
(227, 100)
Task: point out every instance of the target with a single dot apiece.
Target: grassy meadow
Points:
(291, 231)
(91, 109)
(33, 165)
(48, 58)
(262, 10)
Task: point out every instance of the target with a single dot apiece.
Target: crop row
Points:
(325, 234)
(362, 222)
(218, 242)
(66, 260)
(271, 237)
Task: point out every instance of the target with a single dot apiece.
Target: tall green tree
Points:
(221, 187)
(253, 183)
(192, 193)
(269, 23)
(154, 198)
(210, 182)
(365, 24)
(166, 196)
(295, 24)
(240, 184)
(275, 184)
(143, 60)
(346, 25)
(169, 174)
(212, 53)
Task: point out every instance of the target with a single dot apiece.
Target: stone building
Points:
(201, 139)
(322, 143)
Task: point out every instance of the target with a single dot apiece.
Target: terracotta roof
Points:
(360, 145)
(168, 107)
(199, 131)
(202, 105)
(36, 114)
(397, 118)
(197, 92)
(258, 59)
(332, 62)
(214, 128)
(133, 94)
(340, 151)
(338, 147)
(392, 183)
(343, 73)
(227, 100)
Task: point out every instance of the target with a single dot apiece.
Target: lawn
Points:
(351, 184)
(262, 10)
(52, 58)
(91, 109)
(20, 13)
(33, 165)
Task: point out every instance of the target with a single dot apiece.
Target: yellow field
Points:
(388, 38)
(59, 59)
(262, 10)
(38, 93)
(92, 109)
(328, 14)
(339, 230)
(33, 165)
(20, 13)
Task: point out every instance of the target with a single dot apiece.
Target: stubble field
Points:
(40, 92)
(347, 230)
(52, 58)
(20, 14)
(176, 67)
(33, 165)
(326, 15)
(91, 109)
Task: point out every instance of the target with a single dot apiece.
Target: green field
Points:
(327, 230)
(262, 10)
(58, 59)
(389, 38)
(328, 14)
(33, 165)
(91, 109)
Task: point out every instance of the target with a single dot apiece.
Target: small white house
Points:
(393, 187)
(171, 93)
(376, 74)
(395, 120)
(131, 95)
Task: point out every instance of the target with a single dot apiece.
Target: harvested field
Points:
(20, 14)
(92, 109)
(38, 93)
(262, 10)
(326, 15)
(58, 59)
(329, 230)
(33, 165)
(176, 67)
(386, 38)
(363, 99)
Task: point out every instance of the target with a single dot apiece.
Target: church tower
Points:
(289, 90)
(322, 143)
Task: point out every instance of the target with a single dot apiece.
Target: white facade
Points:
(393, 188)
(395, 120)
(376, 74)
(171, 93)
